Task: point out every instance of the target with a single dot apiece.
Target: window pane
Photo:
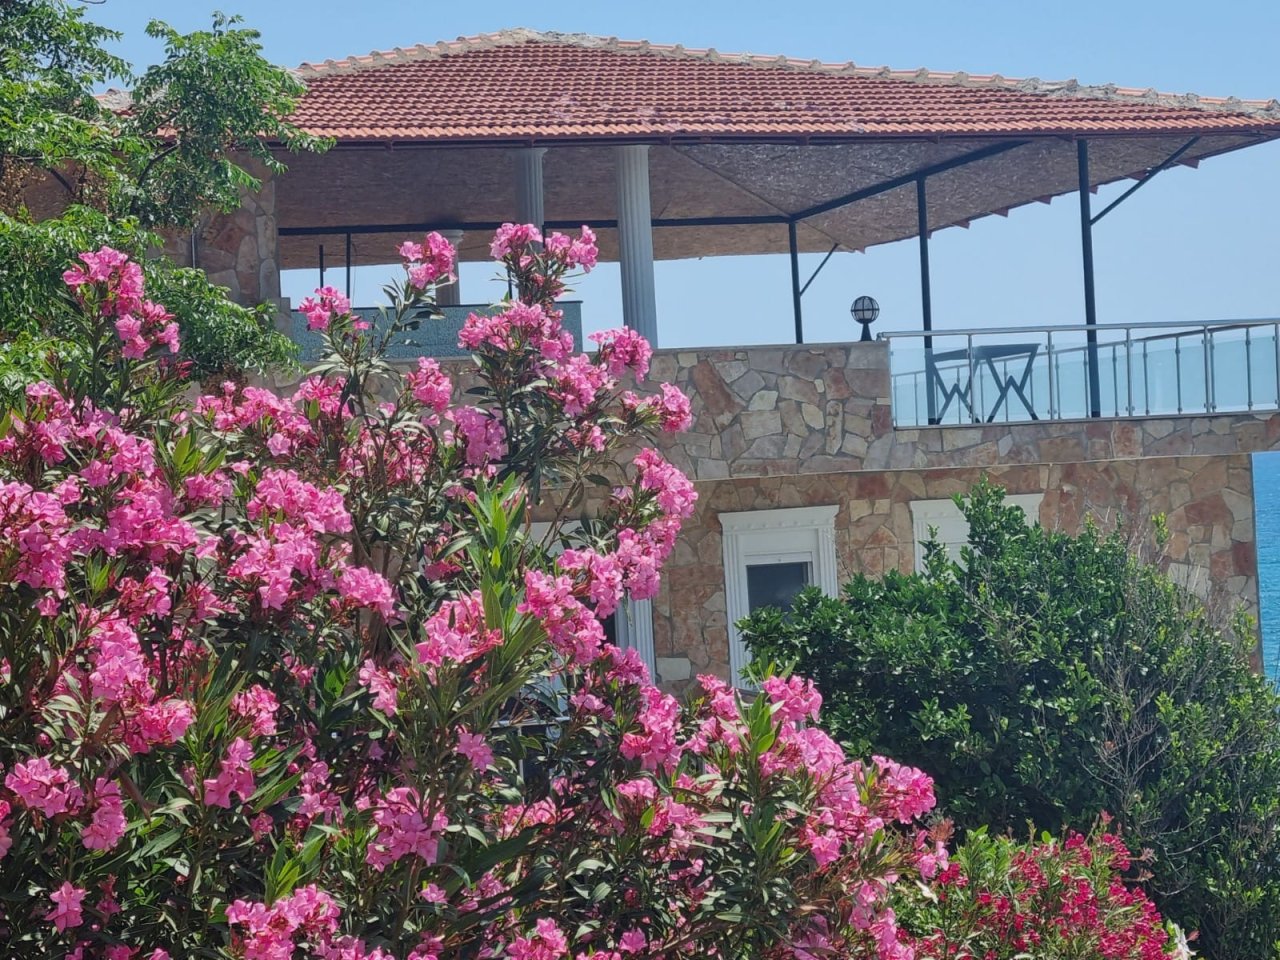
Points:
(610, 624)
(776, 584)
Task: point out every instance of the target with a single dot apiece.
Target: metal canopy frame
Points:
(918, 177)
(792, 221)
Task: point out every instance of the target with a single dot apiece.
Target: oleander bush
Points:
(289, 675)
(1045, 679)
(196, 124)
(1050, 899)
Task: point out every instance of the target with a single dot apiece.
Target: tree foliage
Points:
(1044, 678)
(124, 170)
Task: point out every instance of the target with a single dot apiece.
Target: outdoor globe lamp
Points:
(865, 310)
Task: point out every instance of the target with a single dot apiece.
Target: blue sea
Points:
(1266, 503)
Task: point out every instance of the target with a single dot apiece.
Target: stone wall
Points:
(812, 425)
(1208, 501)
(239, 250)
(778, 411)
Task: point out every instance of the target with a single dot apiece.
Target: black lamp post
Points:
(865, 310)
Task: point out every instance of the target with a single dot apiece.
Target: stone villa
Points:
(812, 461)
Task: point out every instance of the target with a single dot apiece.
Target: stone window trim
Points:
(783, 535)
(633, 620)
(951, 526)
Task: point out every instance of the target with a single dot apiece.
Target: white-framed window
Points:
(769, 556)
(631, 625)
(952, 528)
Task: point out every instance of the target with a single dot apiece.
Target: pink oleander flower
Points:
(573, 629)
(382, 684)
(161, 723)
(41, 786)
(547, 943)
(429, 386)
(602, 575)
(6, 840)
(428, 262)
(323, 306)
(66, 914)
(623, 350)
(483, 433)
(267, 933)
(673, 490)
(476, 749)
(513, 238)
(796, 698)
(108, 824)
(284, 493)
(578, 384)
(235, 775)
(633, 941)
(656, 746)
(364, 588)
(457, 633)
(257, 705)
(403, 829)
(120, 670)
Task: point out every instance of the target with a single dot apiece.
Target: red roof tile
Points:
(525, 86)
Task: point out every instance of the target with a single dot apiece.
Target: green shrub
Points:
(219, 336)
(1044, 679)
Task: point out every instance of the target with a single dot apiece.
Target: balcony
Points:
(1024, 374)
(436, 337)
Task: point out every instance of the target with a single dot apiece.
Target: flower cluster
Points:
(1053, 899)
(111, 284)
(323, 307)
(427, 263)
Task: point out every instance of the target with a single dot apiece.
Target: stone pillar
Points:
(529, 205)
(240, 250)
(451, 295)
(635, 241)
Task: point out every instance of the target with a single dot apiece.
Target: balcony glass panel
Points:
(1025, 373)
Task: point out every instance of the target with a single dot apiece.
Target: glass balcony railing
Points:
(434, 338)
(1020, 374)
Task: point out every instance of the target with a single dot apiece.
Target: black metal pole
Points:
(322, 264)
(926, 298)
(794, 245)
(1090, 306)
(348, 266)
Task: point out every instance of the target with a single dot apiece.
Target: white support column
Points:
(635, 241)
(451, 295)
(529, 206)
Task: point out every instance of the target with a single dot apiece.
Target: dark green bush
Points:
(218, 336)
(1043, 679)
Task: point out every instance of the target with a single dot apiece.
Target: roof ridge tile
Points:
(521, 35)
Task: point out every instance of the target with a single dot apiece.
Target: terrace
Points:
(671, 153)
(1023, 374)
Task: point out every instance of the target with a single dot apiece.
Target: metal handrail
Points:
(1202, 339)
(1080, 328)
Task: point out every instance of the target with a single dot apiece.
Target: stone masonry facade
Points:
(239, 250)
(1208, 502)
(802, 426)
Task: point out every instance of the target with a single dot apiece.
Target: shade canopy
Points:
(740, 145)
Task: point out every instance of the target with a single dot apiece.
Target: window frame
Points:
(760, 537)
(945, 516)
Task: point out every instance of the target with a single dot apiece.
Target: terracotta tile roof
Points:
(524, 86)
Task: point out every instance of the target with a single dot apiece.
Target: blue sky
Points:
(1193, 244)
